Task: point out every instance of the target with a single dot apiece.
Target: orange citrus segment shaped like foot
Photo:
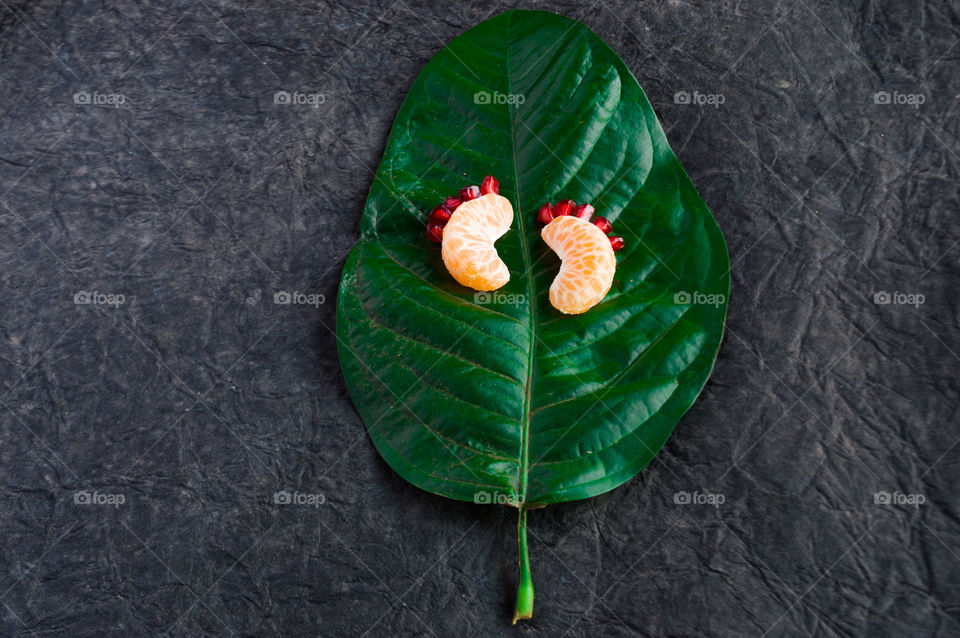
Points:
(587, 264)
(468, 238)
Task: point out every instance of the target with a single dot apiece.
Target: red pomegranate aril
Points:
(451, 203)
(563, 207)
(440, 215)
(469, 192)
(584, 211)
(616, 243)
(435, 232)
(489, 185)
(545, 214)
(603, 224)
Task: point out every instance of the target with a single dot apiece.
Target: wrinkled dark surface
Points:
(198, 398)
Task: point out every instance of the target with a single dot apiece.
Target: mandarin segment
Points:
(468, 237)
(587, 264)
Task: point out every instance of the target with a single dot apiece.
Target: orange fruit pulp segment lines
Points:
(468, 239)
(587, 264)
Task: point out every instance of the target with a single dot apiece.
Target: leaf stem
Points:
(524, 607)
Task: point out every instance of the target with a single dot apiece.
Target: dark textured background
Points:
(198, 398)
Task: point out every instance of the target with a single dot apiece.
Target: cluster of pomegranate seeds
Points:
(440, 215)
(549, 211)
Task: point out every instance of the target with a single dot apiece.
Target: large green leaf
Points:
(511, 401)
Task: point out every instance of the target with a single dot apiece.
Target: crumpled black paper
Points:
(179, 185)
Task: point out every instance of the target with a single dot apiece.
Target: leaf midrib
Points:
(531, 293)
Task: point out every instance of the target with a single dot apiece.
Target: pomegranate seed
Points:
(451, 203)
(470, 192)
(584, 211)
(545, 214)
(489, 185)
(440, 215)
(616, 242)
(603, 224)
(563, 207)
(435, 232)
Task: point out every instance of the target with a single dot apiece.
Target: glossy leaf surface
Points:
(497, 396)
